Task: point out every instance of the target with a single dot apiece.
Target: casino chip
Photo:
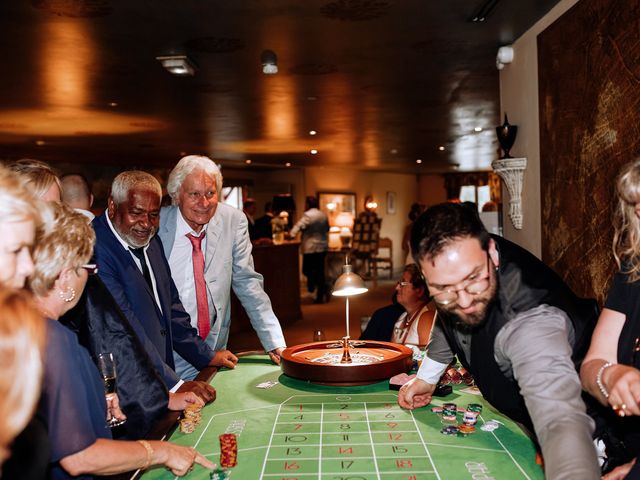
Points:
(219, 474)
(450, 430)
(228, 450)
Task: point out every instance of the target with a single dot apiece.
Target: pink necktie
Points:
(201, 287)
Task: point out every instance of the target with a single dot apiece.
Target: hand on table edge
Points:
(223, 358)
(180, 401)
(202, 389)
(415, 393)
(274, 355)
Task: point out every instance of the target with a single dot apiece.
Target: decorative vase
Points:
(506, 136)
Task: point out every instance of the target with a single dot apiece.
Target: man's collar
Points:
(122, 241)
(182, 227)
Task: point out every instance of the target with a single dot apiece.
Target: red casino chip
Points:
(228, 450)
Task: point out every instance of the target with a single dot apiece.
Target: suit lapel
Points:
(214, 229)
(155, 259)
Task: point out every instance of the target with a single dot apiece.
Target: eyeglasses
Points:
(91, 268)
(474, 286)
(402, 284)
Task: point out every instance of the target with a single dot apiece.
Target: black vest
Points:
(524, 282)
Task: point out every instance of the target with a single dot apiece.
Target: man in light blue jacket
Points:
(197, 226)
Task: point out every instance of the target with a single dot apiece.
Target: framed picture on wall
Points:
(391, 203)
(340, 207)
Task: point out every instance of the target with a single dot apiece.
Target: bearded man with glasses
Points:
(515, 326)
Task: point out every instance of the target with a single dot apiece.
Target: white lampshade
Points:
(349, 283)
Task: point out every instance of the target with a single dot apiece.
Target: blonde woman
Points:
(20, 381)
(73, 402)
(610, 371)
(42, 181)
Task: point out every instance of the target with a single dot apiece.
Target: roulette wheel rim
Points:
(302, 362)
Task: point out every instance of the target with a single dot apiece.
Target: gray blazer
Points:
(229, 264)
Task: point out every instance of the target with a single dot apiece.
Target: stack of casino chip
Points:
(449, 411)
(191, 418)
(228, 450)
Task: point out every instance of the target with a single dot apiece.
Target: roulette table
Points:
(291, 429)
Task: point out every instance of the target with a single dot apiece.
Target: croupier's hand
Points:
(205, 391)
(275, 355)
(224, 358)
(415, 393)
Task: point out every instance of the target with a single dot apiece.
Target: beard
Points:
(468, 322)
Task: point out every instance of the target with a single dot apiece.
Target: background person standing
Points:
(314, 226)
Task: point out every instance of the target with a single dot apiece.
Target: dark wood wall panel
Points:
(589, 87)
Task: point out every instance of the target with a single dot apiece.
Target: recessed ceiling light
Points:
(179, 65)
(113, 104)
(313, 151)
(40, 142)
(419, 160)
(288, 164)
(312, 132)
(393, 151)
(248, 161)
(477, 129)
(441, 148)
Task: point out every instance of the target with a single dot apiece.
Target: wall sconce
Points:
(511, 170)
(269, 62)
(179, 65)
(504, 57)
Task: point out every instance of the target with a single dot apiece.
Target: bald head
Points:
(76, 192)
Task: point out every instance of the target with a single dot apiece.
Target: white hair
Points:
(188, 165)
(126, 181)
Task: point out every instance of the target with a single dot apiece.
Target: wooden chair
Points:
(383, 258)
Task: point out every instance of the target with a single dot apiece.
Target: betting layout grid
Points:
(363, 436)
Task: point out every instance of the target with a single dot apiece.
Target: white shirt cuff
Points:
(176, 386)
(430, 371)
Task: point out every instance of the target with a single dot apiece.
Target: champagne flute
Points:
(107, 367)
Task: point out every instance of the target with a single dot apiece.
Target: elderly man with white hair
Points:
(133, 267)
(209, 251)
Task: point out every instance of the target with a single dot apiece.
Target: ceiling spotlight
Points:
(393, 151)
(441, 148)
(313, 151)
(419, 161)
(312, 132)
(248, 161)
(40, 142)
(179, 65)
(288, 164)
(269, 62)
(477, 129)
(113, 104)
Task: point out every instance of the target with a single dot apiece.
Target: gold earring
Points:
(70, 291)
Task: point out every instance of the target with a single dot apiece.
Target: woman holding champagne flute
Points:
(73, 402)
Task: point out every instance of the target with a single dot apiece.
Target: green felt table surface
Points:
(298, 430)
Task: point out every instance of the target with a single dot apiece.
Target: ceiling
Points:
(383, 82)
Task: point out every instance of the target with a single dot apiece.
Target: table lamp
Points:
(347, 285)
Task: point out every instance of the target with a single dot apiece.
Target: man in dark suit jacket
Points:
(132, 264)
